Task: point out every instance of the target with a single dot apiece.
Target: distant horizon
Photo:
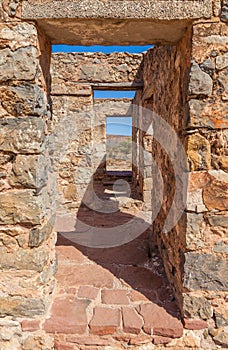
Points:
(119, 126)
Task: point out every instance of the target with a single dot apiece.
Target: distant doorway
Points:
(119, 144)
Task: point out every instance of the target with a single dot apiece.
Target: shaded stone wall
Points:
(27, 241)
(164, 95)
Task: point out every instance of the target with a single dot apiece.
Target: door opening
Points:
(119, 144)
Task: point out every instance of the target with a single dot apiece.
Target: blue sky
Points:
(97, 48)
(114, 125)
(113, 94)
(119, 126)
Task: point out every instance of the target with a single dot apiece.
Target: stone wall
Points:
(194, 252)
(164, 95)
(205, 275)
(27, 240)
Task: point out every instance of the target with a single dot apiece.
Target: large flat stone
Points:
(84, 275)
(105, 321)
(114, 22)
(68, 315)
(205, 272)
(132, 321)
(158, 322)
(184, 9)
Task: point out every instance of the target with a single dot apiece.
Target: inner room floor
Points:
(117, 296)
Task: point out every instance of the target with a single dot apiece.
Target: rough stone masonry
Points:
(184, 80)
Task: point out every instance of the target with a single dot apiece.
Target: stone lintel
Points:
(117, 86)
(125, 9)
(112, 31)
(126, 22)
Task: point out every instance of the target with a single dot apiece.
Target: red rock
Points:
(140, 278)
(195, 324)
(30, 325)
(88, 292)
(105, 321)
(140, 339)
(215, 195)
(88, 340)
(67, 316)
(161, 340)
(158, 322)
(84, 275)
(198, 180)
(131, 253)
(60, 345)
(68, 253)
(145, 295)
(132, 322)
(114, 296)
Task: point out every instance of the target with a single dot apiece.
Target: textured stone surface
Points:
(27, 99)
(18, 306)
(205, 272)
(19, 65)
(38, 235)
(158, 324)
(198, 152)
(88, 274)
(215, 195)
(197, 306)
(224, 14)
(195, 324)
(132, 322)
(200, 82)
(22, 259)
(205, 114)
(30, 325)
(115, 297)
(29, 171)
(88, 292)
(20, 206)
(67, 316)
(22, 135)
(27, 255)
(222, 61)
(105, 321)
(171, 10)
(222, 339)
(218, 220)
(193, 234)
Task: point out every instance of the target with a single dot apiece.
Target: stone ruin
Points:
(167, 288)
